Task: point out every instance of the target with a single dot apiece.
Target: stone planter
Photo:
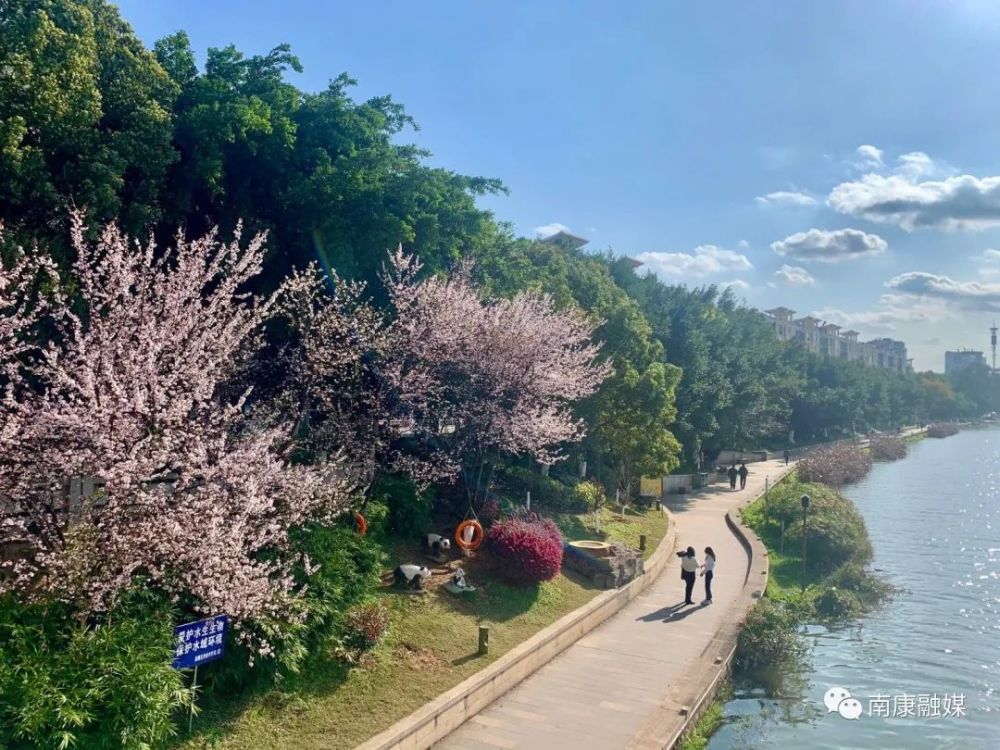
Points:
(617, 567)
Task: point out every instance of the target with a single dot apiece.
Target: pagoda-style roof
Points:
(562, 238)
(829, 327)
(780, 311)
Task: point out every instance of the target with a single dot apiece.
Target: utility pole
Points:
(993, 345)
(805, 533)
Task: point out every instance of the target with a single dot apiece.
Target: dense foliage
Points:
(528, 549)
(887, 448)
(835, 465)
(768, 638)
(230, 400)
(836, 530)
(942, 430)
(69, 686)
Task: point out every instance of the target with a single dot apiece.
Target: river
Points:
(934, 522)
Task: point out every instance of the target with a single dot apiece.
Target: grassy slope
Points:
(431, 648)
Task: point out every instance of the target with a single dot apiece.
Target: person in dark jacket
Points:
(743, 475)
(689, 572)
(733, 473)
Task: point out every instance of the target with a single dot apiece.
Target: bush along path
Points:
(625, 683)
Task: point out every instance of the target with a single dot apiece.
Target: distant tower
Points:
(993, 345)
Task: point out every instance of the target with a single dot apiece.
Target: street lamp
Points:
(805, 532)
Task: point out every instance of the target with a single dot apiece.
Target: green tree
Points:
(84, 119)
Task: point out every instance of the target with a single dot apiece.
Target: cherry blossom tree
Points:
(195, 491)
(23, 304)
(444, 381)
(501, 375)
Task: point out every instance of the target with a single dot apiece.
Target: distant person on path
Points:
(708, 571)
(787, 455)
(743, 475)
(689, 571)
(732, 476)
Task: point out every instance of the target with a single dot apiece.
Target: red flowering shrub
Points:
(531, 548)
(365, 625)
(836, 465)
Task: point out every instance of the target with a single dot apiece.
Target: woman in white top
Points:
(689, 567)
(708, 570)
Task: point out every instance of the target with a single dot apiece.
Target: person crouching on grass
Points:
(689, 569)
(708, 571)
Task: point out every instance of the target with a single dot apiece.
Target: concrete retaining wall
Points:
(440, 717)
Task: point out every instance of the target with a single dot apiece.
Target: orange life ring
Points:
(477, 534)
(361, 523)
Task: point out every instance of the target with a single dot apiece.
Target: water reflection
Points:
(934, 520)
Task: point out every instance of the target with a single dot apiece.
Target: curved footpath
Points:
(635, 680)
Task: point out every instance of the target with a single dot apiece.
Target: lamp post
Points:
(805, 533)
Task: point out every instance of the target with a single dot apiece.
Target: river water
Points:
(934, 521)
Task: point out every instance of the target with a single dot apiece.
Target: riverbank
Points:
(933, 534)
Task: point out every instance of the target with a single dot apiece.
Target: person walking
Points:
(743, 475)
(787, 456)
(689, 571)
(708, 572)
(733, 473)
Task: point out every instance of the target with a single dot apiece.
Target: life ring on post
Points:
(361, 524)
(469, 534)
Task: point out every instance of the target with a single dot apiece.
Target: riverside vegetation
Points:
(238, 396)
(838, 584)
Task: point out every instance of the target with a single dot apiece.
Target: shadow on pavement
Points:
(672, 613)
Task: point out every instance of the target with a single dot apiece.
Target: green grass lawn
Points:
(430, 648)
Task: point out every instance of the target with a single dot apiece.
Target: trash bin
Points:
(701, 480)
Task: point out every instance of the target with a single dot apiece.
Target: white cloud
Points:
(830, 246)
(795, 276)
(739, 284)
(704, 261)
(893, 310)
(967, 295)
(547, 230)
(988, 262)
(786, 197)
(872, 157)
(743, 245)
(921, 193)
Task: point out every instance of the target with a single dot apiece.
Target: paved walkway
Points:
(603, 690)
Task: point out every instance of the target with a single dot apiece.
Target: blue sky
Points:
(837, 158)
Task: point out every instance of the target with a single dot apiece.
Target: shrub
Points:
(768, 638)
(589, 494)
(870, 590)
(837, 604)
(837, 532)
(835, 465)
(410, 511)
(553, 494)
(344, 569)
(365, 625)
(107, 685)
(887, 448)
(530, 547)
(941, 430)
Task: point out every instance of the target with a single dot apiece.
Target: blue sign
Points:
(197, 643)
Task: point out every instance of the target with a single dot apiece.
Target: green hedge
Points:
(66, 684)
